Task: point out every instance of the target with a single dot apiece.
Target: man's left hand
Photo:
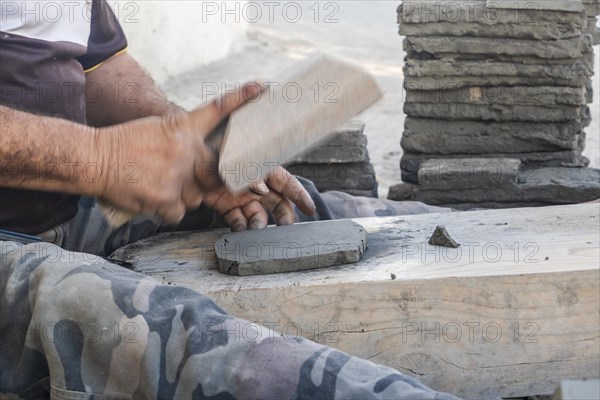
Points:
(248, 210)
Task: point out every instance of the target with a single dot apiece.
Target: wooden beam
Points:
(512, 312)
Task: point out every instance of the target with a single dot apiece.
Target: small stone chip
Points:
(441, 237)
(393, 276)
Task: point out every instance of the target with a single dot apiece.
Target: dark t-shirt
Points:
(45, 50)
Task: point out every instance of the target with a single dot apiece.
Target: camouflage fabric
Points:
(74, 326)
(342, 205)
(89, 232)
(79, 327)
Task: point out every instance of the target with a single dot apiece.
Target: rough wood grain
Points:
(512, 312)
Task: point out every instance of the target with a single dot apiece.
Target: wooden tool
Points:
(293, 114)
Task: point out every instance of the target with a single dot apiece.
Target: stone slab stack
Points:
(592, 8)
(340, 163)
(496, 90)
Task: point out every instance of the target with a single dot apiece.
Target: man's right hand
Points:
(173, 165)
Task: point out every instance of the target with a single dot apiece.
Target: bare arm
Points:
(51, 154)
(46, 153)
(125, 92)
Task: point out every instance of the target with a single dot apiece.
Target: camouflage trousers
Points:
(75, 326)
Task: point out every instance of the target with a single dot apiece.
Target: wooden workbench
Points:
(511, 312)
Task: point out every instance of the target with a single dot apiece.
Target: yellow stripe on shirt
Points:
(98, 65)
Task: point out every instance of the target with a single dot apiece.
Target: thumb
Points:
(220, 108)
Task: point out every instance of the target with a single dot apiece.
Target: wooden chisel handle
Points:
(117, 217)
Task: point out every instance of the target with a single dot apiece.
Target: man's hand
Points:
(173, 165)
(176, 171)
(248, 210)
(241, 211)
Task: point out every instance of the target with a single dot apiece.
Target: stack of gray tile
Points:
(341, 163)
(497, 89)
(592, 8)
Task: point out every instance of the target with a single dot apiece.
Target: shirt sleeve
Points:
(106, 36)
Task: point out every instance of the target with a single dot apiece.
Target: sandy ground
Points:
(365, 32)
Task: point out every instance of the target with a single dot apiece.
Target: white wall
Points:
(171, 37)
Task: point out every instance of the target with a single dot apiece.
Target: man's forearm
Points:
(124, 92)
(45, 153)
(52, 154)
